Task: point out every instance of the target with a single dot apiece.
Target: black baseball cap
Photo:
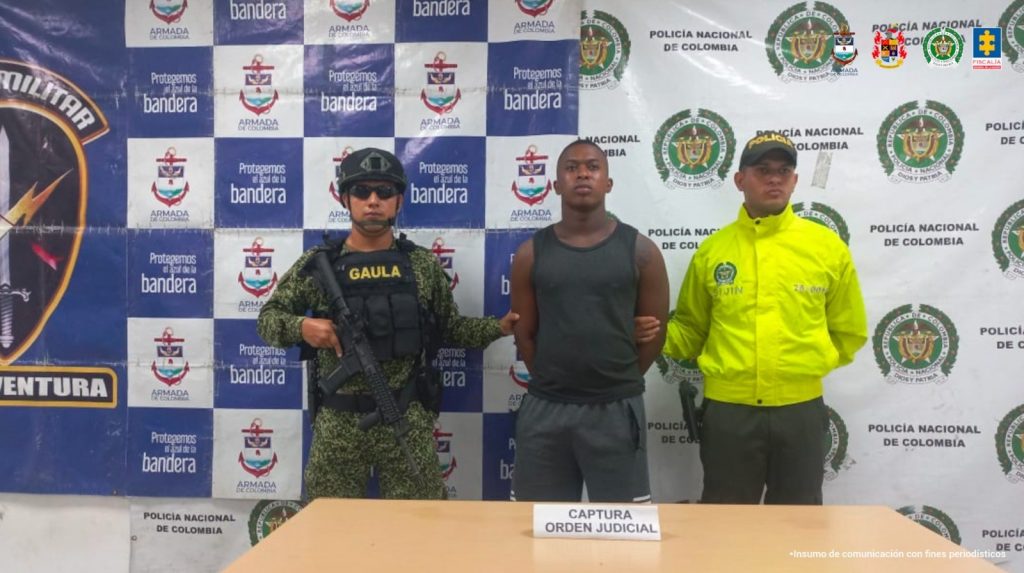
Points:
(764, 142)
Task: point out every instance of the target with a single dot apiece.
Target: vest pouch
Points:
(378, 325)
(407, 325)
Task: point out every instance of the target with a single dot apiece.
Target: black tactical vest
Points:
(380, 291)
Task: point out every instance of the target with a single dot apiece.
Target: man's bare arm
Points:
(652, 297)
(524, 303)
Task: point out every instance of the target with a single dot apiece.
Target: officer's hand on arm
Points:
(645, 328)
(508, 323)
(319, 333)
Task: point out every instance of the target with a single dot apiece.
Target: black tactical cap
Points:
(371, 164)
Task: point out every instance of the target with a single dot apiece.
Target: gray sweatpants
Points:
(561, 446)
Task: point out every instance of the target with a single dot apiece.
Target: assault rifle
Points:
(691, 416)
(358, 357)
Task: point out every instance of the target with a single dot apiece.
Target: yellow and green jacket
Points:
(768, 307)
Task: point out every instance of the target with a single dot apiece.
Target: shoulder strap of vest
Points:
(404, 244)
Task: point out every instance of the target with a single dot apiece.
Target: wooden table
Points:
(371, 536)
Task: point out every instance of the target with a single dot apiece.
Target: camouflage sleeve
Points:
(280, 319)
(457, 330)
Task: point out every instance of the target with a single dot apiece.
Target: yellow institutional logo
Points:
(986, 43)
(769, 137)
(374, 272)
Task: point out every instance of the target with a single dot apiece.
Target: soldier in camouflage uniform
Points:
(371, 182)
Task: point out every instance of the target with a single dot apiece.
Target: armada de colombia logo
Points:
(933, 519)
(604, 50)
(801, 42)
(45, 120)
(349, 10)
(335, 192)
(920, 144)
(168, 11)
(441, 93)
(1008, 241)
(943, 47)
(267, 515)
(1012, 23)
(1010, 444)
(534, 7)
(443, 446)
(257, 277)
(170, 186)
(843, 50)
(170, 366)
(694, 149)
(257, 456)
(532, 184)
(915, 346)
(837, 440)
(824, 215)
(445, 257)
(258, 95)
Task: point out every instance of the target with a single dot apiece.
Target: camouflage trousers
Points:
(341, 456)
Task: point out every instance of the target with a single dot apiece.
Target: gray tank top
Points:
(586, 300)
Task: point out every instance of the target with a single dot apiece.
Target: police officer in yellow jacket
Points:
(769, 306)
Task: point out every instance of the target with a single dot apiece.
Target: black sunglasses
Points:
(362, 192)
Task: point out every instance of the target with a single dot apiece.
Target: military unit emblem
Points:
(604, 51)
(44, 123)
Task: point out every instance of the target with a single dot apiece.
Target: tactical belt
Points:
(364, 403)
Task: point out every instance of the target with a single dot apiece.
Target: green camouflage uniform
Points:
(341, 455)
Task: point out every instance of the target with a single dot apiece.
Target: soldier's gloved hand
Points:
(319, 333)
(508, 323)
